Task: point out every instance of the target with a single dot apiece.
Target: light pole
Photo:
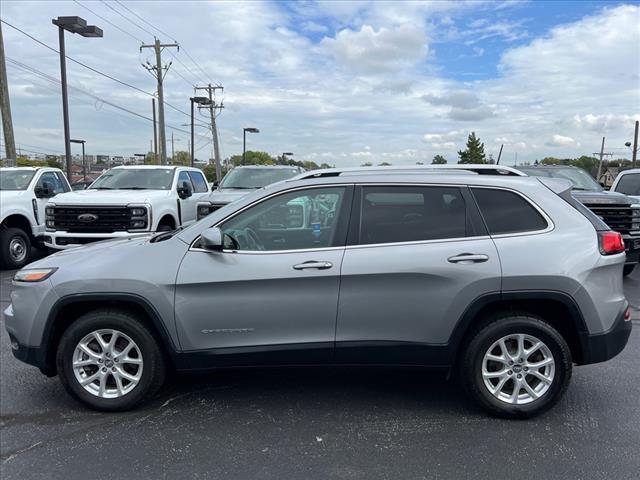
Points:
(244, 140)
(284, 156)
(84, 165)
(199, 101)
(634, 150)
(74, 25)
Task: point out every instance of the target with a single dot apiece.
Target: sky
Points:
(337, 82)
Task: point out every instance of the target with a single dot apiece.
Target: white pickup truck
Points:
(125, 201)
(24, 193)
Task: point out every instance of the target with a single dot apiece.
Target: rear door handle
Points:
(313, 264)
(467, 258)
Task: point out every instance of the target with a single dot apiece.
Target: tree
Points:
(182, 158)
(367, 164)
(210, 172)
(438, 160)
(474, 152)
(150, 159)
(384, 164)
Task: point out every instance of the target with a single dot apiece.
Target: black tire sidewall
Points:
(6, 235)
(153, 365)
(512, 325)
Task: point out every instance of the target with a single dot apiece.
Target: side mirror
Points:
(184, 191)
(211, 239)
(216, 184)
(44, 191)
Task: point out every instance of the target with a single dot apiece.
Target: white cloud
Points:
(560, 141)
(465, 105)
(375, 51)
(602, 123)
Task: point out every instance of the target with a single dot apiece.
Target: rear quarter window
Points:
(507, 212)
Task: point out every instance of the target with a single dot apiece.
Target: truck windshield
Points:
(629, 184)
(15, 179)
(580, 179)
(134, 179)
(248, 178)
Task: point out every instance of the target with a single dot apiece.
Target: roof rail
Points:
(480, 169)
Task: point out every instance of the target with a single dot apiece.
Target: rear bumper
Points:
(604, 346)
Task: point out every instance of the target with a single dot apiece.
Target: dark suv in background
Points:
(620, 212)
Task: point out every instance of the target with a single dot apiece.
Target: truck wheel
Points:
(628, 269)
(516, 366)
(110, 361)
(15, 248)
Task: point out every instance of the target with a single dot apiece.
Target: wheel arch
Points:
(67, 310)
(556, 308)
(167, 218)
(19, 220)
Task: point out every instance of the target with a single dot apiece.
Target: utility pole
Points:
(211, 90)
(499, 154)
(155, 133)
(173, 149)
(5, 108)
(158, 68)
(602, 154)
(634, 155)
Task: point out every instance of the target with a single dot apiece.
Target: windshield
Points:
(256, 177)
(134, 179)
(629, 184)
(15, 179)
(580, 179)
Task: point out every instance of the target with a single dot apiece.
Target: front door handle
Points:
(313, 264)
(467, 258)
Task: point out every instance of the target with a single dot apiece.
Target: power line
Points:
(93, 69)
(48, 77)
(110, 22)
(129, 20)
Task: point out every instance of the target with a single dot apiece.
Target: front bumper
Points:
(65, 240)
(604, 346)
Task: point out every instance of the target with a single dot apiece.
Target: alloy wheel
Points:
(107, 363)
(518, 369)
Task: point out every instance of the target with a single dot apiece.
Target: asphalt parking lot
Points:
(321, 423)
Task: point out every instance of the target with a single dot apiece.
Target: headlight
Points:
(138, 218)
(32, 275)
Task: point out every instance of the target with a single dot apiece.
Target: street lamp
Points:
(74, 25)
(284, 156)
(244, 139)
(84, 165)
(199, 101)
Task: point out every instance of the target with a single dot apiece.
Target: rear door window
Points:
(507, 212)
(391, 214)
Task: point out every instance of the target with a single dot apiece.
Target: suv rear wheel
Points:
(516, 366)
(109, 360)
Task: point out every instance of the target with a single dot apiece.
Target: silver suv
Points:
(507, 281)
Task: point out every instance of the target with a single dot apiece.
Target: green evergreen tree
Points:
(474, 152)
(438, 160)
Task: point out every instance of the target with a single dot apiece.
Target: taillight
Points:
(627, 314)
(610, 243)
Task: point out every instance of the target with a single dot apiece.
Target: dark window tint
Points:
(405, 214)
(199, 182)
(507, 212)
(629, 184)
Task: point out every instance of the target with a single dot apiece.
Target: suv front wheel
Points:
(109, 360)
(516, 366)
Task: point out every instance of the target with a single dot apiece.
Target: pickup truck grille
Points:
(619, 218)
(79, 219)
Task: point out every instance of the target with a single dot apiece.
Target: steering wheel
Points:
(253, 240)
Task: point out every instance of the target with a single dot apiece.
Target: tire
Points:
(146, 349)
(486, 340)
(15, 248)
(628, 269)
